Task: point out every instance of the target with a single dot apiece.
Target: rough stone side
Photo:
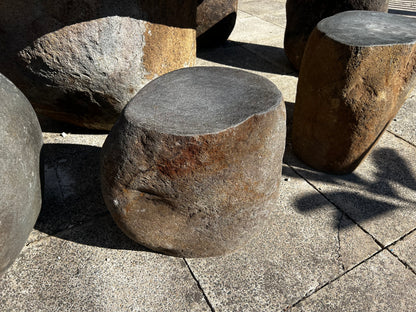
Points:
(346, 98)
(194, 196)
(215, 21)
(20, 185)
(302, 17)
(82, 61)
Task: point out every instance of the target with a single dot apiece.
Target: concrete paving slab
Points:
(382, 283)
(269, 10)
(272, 52)
(263, 38)
(287, 85)
(380, 195)
(77, 260)
(252, 29)
(95, 267)
(403, 125)
(235, 56)
(263, 60)
(405, 250)
(299, 252)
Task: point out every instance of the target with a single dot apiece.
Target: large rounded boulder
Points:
(81, 61)
(20, 183)
(192, 167)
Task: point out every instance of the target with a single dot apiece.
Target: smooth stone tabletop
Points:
(366, 28)
(191, 101)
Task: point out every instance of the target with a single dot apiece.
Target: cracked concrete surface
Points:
(335, 243)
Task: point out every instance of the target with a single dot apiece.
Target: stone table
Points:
(358, 69)
(193, 166)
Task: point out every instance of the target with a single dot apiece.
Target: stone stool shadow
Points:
(73, 208)
(251, 56)
(357, 71)
(192, 167)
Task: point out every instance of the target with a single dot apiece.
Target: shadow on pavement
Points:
(73, 208)
(249, 56)
(360, 196)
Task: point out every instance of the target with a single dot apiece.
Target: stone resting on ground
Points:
(215, 20)
(357, 71)
(302, 17)
(20, 182)
(81, 61)
(192, 167)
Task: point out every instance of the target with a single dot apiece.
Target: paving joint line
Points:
(317, 289)
(260, 18)
(199, 285)
(382, 247)
(406, 265)
(403, 139)
(339, 257)
(336, 206)
(389, 246)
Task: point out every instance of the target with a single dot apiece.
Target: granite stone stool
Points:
(358, 69)
(215, 20)
(20, 183)
(302, 17)
(81, 61)
(192, 167)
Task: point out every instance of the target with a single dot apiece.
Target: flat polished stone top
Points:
(201, 100)
(367, 28)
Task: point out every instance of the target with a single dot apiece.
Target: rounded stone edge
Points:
(36, 131)
(278, 112)
(296, 39)
(323, 23)
(279, 98)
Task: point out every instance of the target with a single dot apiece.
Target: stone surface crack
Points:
(399, 137)
(199, 286)
(339, 257)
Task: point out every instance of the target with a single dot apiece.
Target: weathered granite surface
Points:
(194, 163)
(302, 17)
(20, 182)
(358, 70)
(215, 21)
(82, 61)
